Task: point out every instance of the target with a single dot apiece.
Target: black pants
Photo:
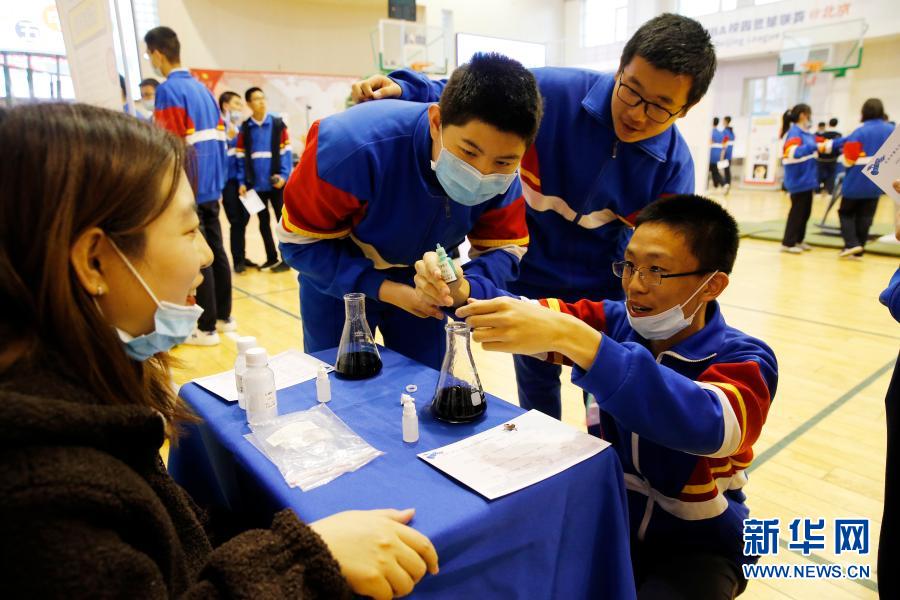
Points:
(856, 216)
(275, 199)
(237, 220)
(826, 175)
(795, 228)
(726, 179)
(889, 540)
(716, 176)
(685, 575)
(214, 294)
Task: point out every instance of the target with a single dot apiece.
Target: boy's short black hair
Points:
(715, 121)
(727, 119)
(677, 44)
(821, 124)
(165, 40)
(833, 123)
(225, 98)
(497, 90)
(873, 109)
(151, 82)
(710, 230)
(251, 91)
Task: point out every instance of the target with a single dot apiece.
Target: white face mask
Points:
(667, 323)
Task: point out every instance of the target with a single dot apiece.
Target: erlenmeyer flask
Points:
(357, 356)
(459, 397)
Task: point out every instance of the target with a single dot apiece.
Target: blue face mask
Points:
(173, 323)
(464, 183)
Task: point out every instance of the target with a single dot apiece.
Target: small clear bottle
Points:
(323, 385)
(240, 366)
(259, 387)
(410, 422)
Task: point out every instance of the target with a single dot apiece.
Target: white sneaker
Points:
(848, 252)
(202, 338)
(727, 188)
(226, 325)
(804, 246)
(792, 249)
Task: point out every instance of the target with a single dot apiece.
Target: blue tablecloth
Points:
(565, 537)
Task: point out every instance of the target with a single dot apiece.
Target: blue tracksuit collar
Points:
(266, 121)
(598, 103)
(422, 150)
(701, 346)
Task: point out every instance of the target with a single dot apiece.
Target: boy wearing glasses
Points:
(606, 148)
(680, 395)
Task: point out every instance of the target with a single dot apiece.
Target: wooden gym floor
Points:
(821, 454)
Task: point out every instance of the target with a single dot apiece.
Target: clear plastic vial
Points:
(323, 385)
(240, 366)
(410, 423)
(259, 387)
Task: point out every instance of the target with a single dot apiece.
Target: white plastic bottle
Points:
(323, 386)
(240, 365)
(410, 423)
(259, 387)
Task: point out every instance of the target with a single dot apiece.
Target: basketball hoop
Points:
(810, 70)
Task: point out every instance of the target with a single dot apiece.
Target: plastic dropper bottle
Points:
(448, 272)
(240, 366)
(259, 387)
(323, 385)
(410, 422)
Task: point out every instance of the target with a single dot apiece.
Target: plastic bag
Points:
(311, 447)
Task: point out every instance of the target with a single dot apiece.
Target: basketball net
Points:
(810, 70)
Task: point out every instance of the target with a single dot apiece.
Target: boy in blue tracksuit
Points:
(264, 161)
(606, 149)
(681, 396)
(801, 175)
(860, 194)
(716, 153)
(187, 108)
(382, 183)
(728, 144)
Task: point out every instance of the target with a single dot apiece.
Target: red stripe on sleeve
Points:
(748, 394)
(312, 206)
(174, 119)
(501, 227)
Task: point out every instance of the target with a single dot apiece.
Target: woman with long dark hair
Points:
(800, 175)
(99, 249)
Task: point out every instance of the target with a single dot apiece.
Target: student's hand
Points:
(375, 87)
(278, 182)
(897, 185)
(521, 327)
(242, 190)
(431, 287)
(379, 555)
(405, 297)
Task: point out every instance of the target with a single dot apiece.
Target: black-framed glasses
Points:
(654, 112)
(650, 275)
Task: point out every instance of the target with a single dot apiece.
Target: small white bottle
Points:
(323, 385)
(240, 366)
(410, 423)
(259, 387)
(448, 272)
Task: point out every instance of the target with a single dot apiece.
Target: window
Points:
(603, 22)
(768, 95)
(697, 8)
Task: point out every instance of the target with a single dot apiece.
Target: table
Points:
(565, 537)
